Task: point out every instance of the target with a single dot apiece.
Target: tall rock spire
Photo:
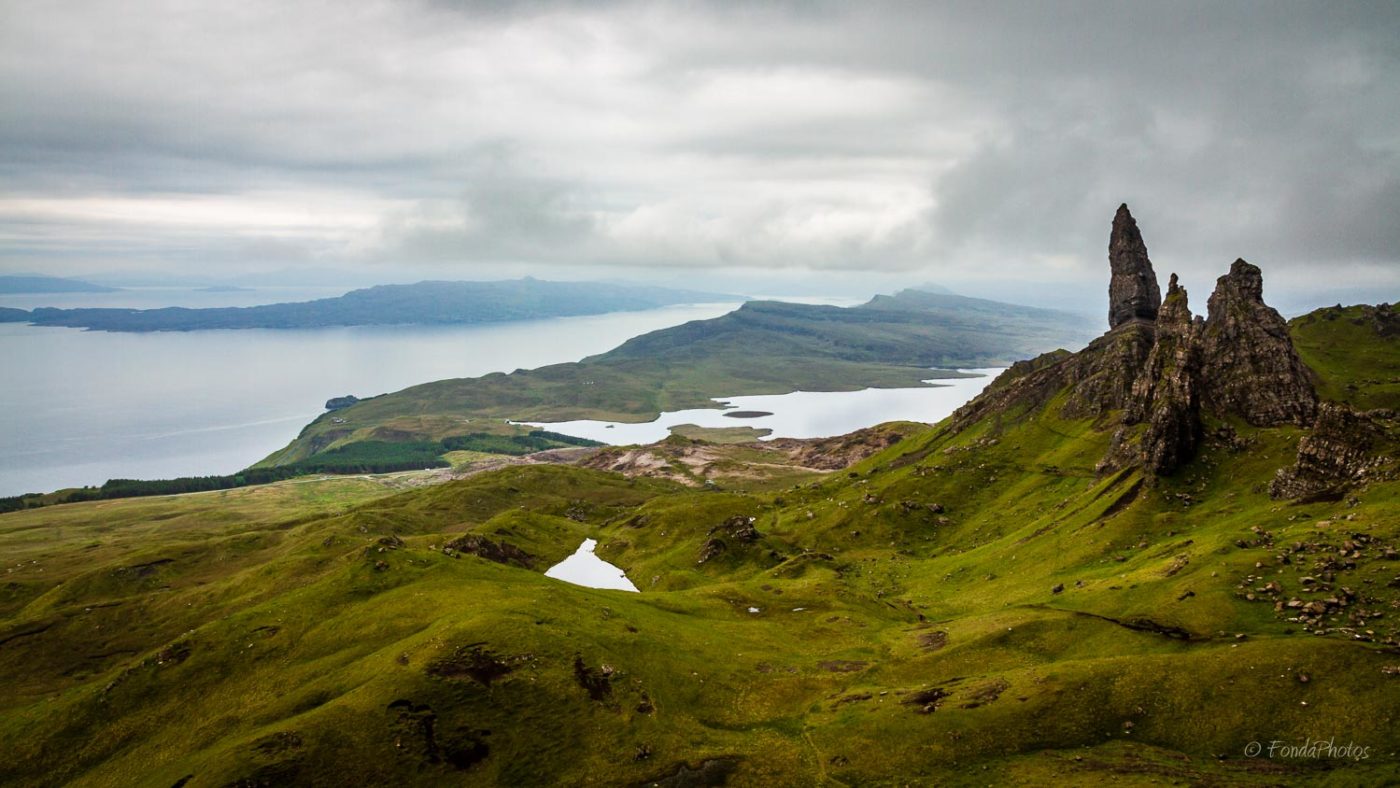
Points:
(1132, 292)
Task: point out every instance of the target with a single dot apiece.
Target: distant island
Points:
(24, 285)
(424, 303)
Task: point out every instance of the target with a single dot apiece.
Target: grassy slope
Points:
(761, 348)
(295, 648)
(1340, 345)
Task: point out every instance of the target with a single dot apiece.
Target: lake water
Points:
(80, 407)
(801, 414)
(583, 568)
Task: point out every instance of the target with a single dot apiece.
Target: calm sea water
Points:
(80, 407)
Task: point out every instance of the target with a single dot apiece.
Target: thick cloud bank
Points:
(916, 142)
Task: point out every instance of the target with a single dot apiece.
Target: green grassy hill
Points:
(979, 605)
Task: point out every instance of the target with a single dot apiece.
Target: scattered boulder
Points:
(740, 528)
(712, 547)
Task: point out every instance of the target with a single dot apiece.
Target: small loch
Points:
(583, 568)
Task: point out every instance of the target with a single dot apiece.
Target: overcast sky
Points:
(821, 146)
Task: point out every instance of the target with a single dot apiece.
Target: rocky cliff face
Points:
(1159, 369)
(1250, 368)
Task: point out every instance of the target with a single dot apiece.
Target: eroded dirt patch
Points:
(416, 733)
(598, 681)
(711, 772)
(473, 661)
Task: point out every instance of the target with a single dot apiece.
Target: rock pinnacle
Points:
(1132, 292)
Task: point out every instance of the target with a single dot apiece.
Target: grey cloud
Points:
(938, 142)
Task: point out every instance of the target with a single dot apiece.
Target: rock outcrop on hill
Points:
(339, 403)
(1160, 369)
(1250, 367)
(1343, 448)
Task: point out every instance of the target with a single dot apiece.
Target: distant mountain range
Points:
(21, 285)
(424, 303)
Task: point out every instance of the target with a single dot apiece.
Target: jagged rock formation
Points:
(1132, 293)
(1165, 395)
(1160, 368)
(1342, 449)
(1250, 367)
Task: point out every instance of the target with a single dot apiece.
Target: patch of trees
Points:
(353, 458)
(514, 445)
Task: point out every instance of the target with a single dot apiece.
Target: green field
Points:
(978, 607)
